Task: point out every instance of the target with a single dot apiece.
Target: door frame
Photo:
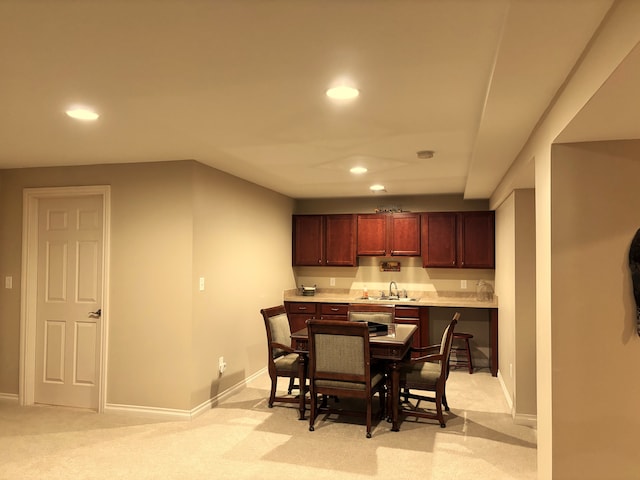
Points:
(28, 299)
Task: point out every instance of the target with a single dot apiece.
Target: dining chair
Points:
(283, 361)
(427, 371)
(365, 312)
(340, 365)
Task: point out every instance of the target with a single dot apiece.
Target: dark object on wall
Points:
(634, 266)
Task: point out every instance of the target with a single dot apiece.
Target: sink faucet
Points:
(393, 284)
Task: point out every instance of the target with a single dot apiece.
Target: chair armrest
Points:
(434, 357)
(286, 348)
(426, 350)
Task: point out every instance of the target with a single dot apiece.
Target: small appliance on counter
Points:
(308, 291)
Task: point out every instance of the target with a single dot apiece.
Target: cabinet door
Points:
(372, 234)
(439, 247)
(404, 234)
(340, 240)
(477, 240)
(307, 239)
(299, 313)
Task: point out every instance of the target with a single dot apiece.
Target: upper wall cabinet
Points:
(324, 240)
(382, 234)
(458, 239)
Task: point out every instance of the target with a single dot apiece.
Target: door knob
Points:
(96, 314)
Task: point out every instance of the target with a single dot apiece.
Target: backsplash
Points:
(411, 277)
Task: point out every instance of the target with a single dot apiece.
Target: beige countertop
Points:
(422, 298)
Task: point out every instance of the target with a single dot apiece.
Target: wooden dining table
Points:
(391, 348)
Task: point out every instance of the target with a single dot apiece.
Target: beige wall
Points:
(595, 348)
(242, 247)
(515, 286)
(171, 223)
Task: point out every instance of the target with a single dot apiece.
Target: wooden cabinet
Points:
(382, 235)
(413, 316)
(324, 240)
(458, 239)
(334, 311)
(299, 313)
(477, 240)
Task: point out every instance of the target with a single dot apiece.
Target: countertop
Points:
(423, 298)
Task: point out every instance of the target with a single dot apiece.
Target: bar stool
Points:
(462, 352)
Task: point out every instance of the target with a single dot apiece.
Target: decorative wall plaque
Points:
(389, 266)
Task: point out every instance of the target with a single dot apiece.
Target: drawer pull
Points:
(302, 308)
(333, 309)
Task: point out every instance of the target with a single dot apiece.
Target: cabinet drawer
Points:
(334, 309)
(301, 307)
(407, 312)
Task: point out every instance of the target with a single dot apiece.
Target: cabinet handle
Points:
(302, 308)
(333, 309)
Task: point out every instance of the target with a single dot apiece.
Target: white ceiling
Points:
(239, 85)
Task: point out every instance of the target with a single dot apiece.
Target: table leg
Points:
(302, 380)
(394, 369)
(494, 341)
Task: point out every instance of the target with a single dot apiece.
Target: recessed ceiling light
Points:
(82, 113)
(342, 92)
(377, 188)
(425, 154)
(358, 170)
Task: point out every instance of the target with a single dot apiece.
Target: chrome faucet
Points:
(392, 284)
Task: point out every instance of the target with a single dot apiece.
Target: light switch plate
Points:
(202, 284)
(8, 282)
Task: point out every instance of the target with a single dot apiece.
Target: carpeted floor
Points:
(244, 439)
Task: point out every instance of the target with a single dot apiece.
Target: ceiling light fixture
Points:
(82, 113)
(425, 153)
(358, 170)
(342, 92)
(377, 188)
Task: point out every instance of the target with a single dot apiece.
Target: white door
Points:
(69, 300)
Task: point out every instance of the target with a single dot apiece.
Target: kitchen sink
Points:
(392, 298)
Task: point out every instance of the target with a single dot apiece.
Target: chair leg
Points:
(272, 395)
(313, 411)
(439, 409)
(369, 418)
(469, 356)
(291, 380)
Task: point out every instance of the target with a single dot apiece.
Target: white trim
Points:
(524, 419)
(177, 414)
(30, 199)
(505, 392)
(9, 396)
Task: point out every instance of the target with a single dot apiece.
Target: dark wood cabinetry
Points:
(396, 234)
(458, 239)
(477, 240)
(299, 313)
(320, 240)
(418, 316)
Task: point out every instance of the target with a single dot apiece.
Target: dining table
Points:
(391, 348)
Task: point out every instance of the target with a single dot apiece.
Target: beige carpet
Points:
(243, 439)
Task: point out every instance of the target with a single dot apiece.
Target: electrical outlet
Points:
(202, 284)
(463, 284)
(511, 370)
(332, 282)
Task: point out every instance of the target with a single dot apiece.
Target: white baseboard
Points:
(518, 418)
(177, 414)
(9, 396)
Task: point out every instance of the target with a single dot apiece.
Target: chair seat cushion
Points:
(425, 373)
(287, 363)
(375, 379)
